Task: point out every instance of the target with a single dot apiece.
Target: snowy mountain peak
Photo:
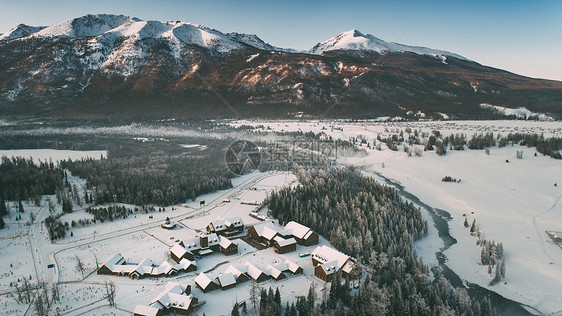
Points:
(19, 31)
(356, 40)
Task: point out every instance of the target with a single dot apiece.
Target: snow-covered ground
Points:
(513, 203)
(52, 154)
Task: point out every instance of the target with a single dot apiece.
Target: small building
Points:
(227, 247)
(327, 261)
(289, 266)
(263, 233)
(256, 273)
(238, 274)
(175, 299)
(227, 281)
(275, 273)
(203, 242)
(186, 265)
(226, 227)
(178, 252)
(205, 283)
(141, 310)
(143, 269)
(302, 234)
(326, 271)
(109, 266)
(282, 245)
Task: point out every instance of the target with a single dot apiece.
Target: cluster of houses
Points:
(234, 275)
(203, 245)
(117, 265)
(175, 299)
(283, 240)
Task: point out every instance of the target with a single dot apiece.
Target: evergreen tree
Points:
(3, 207)
(235, 311)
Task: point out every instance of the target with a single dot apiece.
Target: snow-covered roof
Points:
(222, 224)
(325, 254)
(253, 271)
(330, 267)
(178, 250)
(115, 260)
(227, 279)
(144, 267)
(164, 268)
(233, 270)
(293, 267)
(297, 230)
(266, 230)
(203, 280)
(145, 310)
(225, 242)
(348, 266)
(123, 268)
(170, 294)
(284, 242)
(184, 264)
(273, 271)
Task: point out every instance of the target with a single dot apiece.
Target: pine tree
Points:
(3, 208)
(235, 311)
(473, 226)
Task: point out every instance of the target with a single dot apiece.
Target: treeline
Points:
(113, 212)
(23, 179)
(371, 222)
(459, 141)
(147, 174)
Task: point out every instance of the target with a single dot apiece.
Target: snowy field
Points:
(513, 203)
(15, 257)
(53, 154)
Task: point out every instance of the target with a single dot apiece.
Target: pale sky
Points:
(524, 37)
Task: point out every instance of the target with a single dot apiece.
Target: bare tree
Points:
(110, 289)
(55, 293)
(255, 291)
(80, 266)
(39, 307)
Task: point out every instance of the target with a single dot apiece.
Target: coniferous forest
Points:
(371, 222)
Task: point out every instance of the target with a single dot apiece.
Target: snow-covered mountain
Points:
(355, 40)
(100, 64)
(20, 31)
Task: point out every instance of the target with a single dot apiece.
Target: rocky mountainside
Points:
(99, 65)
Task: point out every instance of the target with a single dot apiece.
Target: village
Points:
(178, 298)
(201, 257)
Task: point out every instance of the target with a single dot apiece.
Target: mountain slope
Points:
(98, 65)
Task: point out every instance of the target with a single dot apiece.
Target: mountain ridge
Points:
(105, 64)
